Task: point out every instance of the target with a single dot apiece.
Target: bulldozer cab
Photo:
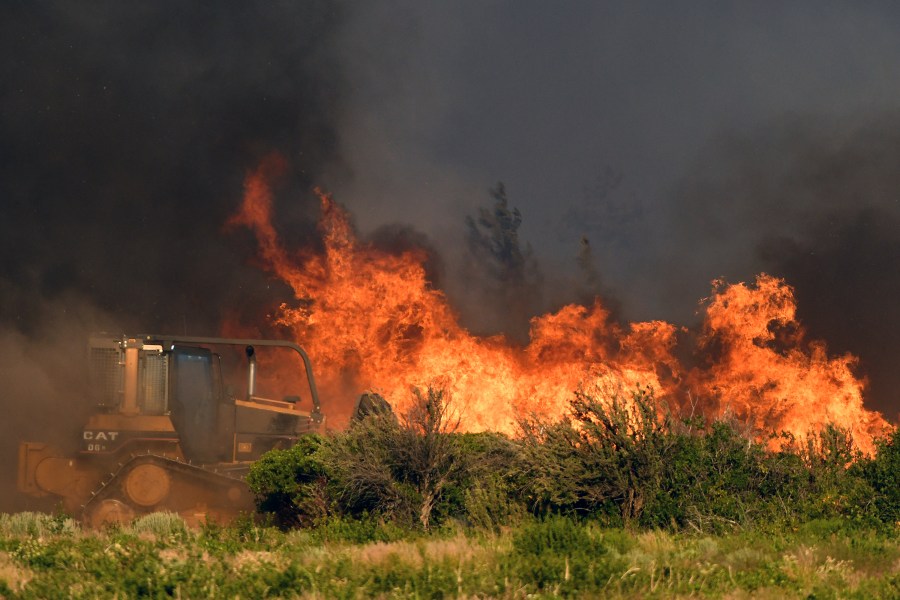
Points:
(182, 378)
(196, 397)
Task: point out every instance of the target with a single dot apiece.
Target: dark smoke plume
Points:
(126, 130)
(125, 133)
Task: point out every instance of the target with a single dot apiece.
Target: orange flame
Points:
(795, 388)
(371, 321)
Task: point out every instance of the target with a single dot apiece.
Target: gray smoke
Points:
(816, 201)
(683, 144)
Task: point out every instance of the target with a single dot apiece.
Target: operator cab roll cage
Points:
(249, 344)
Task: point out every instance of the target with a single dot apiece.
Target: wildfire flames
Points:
(371, 321)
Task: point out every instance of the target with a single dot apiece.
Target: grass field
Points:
(44, 556)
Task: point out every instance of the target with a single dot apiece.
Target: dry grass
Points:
(381, 553)
(173, 555)
(656, 542)
(15, 576)
(458, 549)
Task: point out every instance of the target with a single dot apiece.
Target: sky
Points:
(683, 141)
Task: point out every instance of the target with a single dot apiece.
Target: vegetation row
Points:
(617, 461)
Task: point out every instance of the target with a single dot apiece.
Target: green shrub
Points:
(612, 455)
(722, 478)
(882, 473)
(291, 484)
(37, 524)
(363, 530)
(365, 478)
(491, 485)
(716, 479)
(631, 462)
(163, 525)
(619, 461)
(560, 555)
(406, 471)
(837, 487)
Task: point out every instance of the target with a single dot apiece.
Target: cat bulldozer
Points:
(167, 433)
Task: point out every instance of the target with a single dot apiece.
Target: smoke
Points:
(682, 145)
(125, 134)
(45, 384)
(126, 131)
(503, 273)
(817, 202)
(593, 115)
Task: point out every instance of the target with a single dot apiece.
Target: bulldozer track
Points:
(144, 483)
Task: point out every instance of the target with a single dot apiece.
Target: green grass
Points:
(44, 556)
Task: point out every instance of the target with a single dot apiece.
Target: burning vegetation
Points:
(372, 320)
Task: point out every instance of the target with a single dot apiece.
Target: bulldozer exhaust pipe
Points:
(251, 372)
(130, 399)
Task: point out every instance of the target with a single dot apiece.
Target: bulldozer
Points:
(167, 433)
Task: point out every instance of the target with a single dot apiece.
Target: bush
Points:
(623, 461)
(401, 470)
(609, 459)
(723, 478)
(415, 471)
(491, 484)
(563, 556)
(291, 484)
(37, 524)
(362, 462)
(630, 462)
(882, 473)
(718, 478)
(163, 525)
(837, 487)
